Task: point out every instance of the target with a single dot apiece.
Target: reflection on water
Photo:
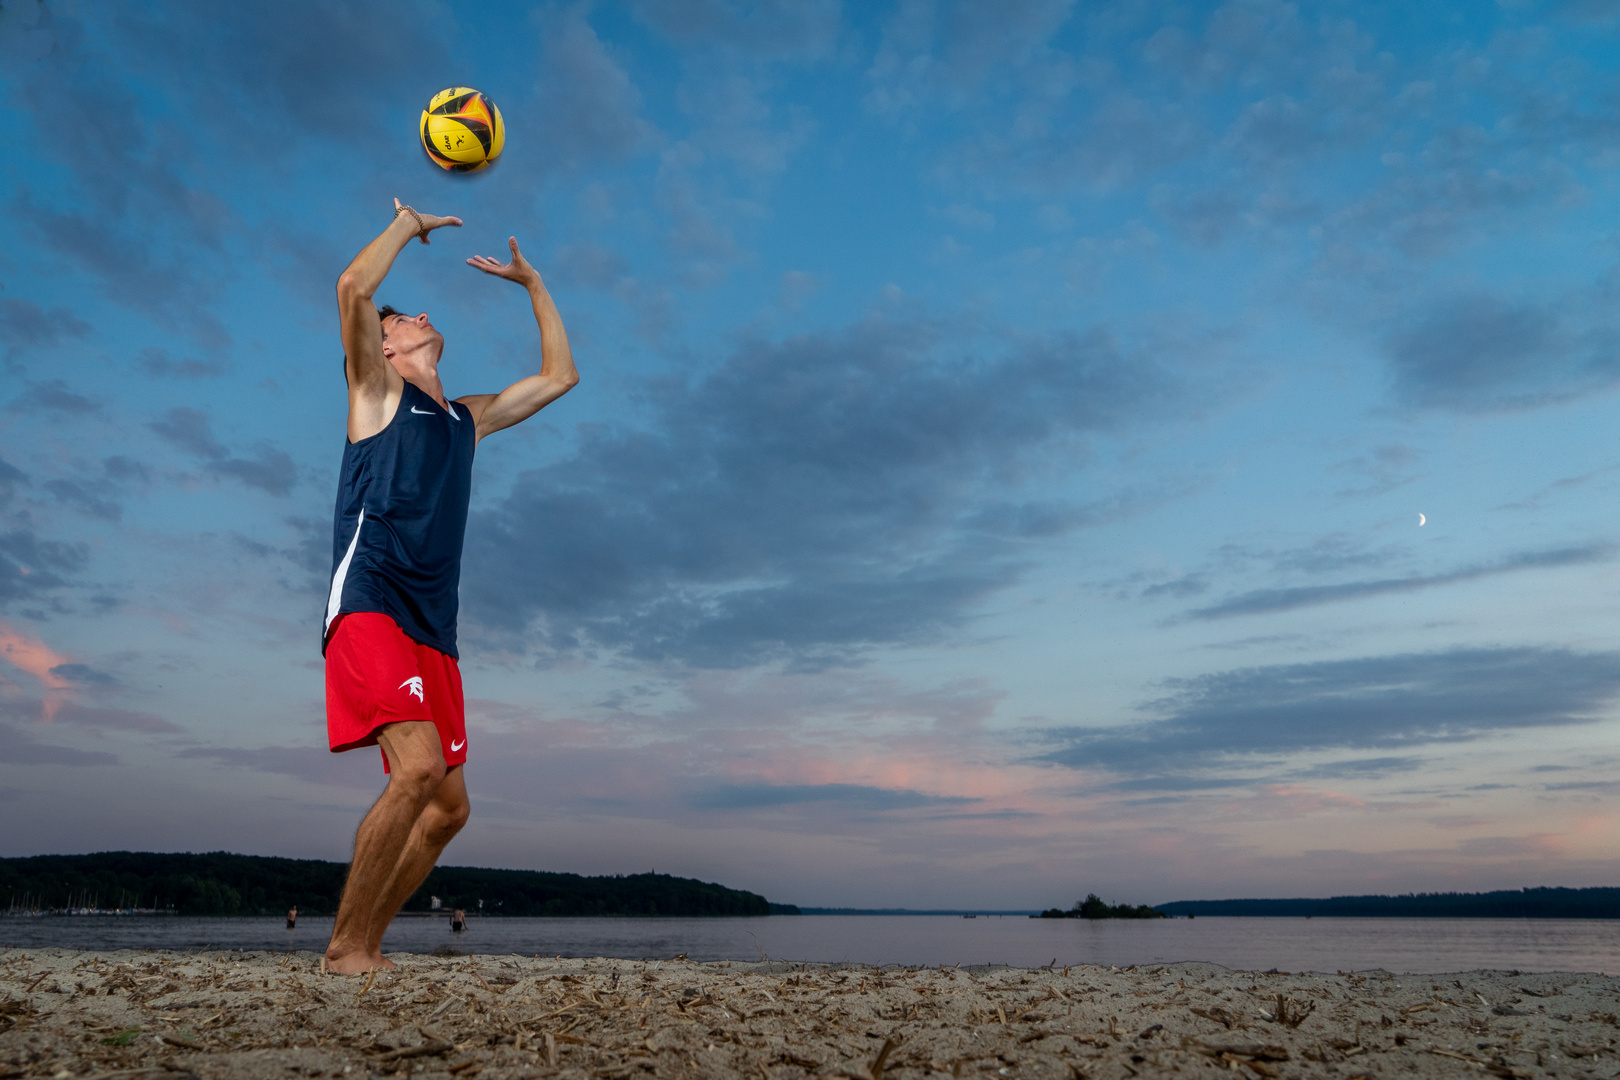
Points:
(1401, 945)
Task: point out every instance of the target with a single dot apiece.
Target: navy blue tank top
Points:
(401, 519)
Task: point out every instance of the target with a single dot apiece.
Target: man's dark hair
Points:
(385, 311)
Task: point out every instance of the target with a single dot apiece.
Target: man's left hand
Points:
(517, 270)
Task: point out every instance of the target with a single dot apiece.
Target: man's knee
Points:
(418, 775)
(443, 822)
(415, 761)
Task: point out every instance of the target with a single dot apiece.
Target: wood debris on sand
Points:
(236, 1016)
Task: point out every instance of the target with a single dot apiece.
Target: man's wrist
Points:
(413, 221)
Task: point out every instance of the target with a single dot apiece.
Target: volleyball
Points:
(462, 130)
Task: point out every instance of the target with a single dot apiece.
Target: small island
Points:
(1094, 907)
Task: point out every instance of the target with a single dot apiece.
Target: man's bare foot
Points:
(356, 962)
(381, 962)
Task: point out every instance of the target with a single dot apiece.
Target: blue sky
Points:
(996, 472)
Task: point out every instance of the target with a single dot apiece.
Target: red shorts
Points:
(376, 675)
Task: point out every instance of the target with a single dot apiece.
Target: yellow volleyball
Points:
(462, 130)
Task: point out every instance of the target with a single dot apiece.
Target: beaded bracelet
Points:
(421, 225)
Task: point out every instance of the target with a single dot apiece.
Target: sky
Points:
(996, 473)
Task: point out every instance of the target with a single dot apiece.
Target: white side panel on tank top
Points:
(334, 599)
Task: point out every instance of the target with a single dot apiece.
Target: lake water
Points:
(1324, 944)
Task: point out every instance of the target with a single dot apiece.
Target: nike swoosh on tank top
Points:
(401, 519)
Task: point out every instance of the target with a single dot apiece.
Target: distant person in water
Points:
(392, 678)
(292, 917)
(458, 921)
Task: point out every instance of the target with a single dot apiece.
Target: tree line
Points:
(221, 883)
(1531, 903)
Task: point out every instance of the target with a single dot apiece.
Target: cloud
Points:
(31, 567)
(1482, 352)
(25, 324)
(85, 498)
(1384, 702)
(847, 796)
(589, 266)
(269, 470)
(1201, 217)
(190, 430)
(1382, 469)
(156, 362)
(263, 61)
(96, 496)
(1242, 42)
(134, 213)
(219, 86)
(942, 53)
(82, 675)
(1340, 770)
(18, 747)
(804, 499)
(1264, 601)
(773, 29)
(26, 652)
(590, 106)
(73, 714)
(1182, 783)
(125, 470)
(54, 396)
(11, 479)
(309, 763)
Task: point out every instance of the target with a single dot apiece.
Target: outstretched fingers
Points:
(516, 269)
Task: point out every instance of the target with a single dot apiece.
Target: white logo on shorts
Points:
(415, 683)
(455, 747)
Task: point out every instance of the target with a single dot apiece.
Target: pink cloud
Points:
(27, 653)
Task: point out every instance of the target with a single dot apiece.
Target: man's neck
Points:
(428, 382)
(425, 377)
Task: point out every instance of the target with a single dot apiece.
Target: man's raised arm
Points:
(363, 361)
(557, 376)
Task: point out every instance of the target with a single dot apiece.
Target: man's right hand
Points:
(429, 221)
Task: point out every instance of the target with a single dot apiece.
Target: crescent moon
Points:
(1422, 521)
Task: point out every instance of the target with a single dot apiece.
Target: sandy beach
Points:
(65, 1013)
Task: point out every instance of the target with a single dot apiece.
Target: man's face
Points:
(407, 333)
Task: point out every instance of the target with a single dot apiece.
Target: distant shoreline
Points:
(1531, 903)
(312, 917)
(223, 883)
(975, 913)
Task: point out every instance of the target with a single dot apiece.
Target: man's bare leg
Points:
(438, 824)
(416, 769)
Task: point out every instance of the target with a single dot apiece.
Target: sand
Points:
(219, 1014)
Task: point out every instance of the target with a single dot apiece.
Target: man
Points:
(390, 639)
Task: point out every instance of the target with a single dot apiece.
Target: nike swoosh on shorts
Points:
(456, 747)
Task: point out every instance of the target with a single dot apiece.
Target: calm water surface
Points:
(1400, 945)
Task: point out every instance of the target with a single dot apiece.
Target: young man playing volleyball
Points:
(390, 637)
